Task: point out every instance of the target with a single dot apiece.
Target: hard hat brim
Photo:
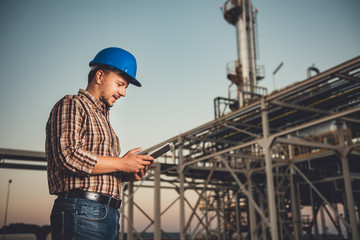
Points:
(130, 79)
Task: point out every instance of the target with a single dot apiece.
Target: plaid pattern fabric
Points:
(78, 130)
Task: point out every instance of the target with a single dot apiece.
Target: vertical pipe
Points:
(337, 220)
(218, 215)
(298, 198)
(323, 223)
(130, 235)
(246, 47)
(346, 213)
(207, 235)
(279, 203)
(251, 49)
(122, 211)
(347, 183)
(316, 227)
(157, 202)
(237, 212)
(269, 170)
(182, 190)
(252, 215)
(294, 208)
(242, 44)
(223, 214)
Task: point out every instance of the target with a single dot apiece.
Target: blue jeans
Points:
(81, 219)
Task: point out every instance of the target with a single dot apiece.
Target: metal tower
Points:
(243, 71)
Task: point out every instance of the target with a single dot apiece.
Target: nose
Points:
(122, 92)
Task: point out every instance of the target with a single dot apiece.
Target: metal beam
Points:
(22, 155)
(306, 143)
(240, 130)
(22, 166)
(298, 107)
(347, 77)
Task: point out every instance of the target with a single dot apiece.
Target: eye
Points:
(122, 84)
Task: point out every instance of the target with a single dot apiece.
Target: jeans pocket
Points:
(92, 221)
(92, 212)
(57, 226)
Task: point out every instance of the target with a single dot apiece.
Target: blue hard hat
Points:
(120, 59)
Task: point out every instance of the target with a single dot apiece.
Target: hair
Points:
(105, 68)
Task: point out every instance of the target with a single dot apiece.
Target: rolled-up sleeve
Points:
(68, 136)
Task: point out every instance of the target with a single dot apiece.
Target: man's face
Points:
(112, 87)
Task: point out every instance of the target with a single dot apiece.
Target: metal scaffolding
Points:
(284, 166)
(256, 169)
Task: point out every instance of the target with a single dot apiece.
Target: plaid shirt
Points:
(77, 132)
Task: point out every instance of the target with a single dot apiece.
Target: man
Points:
(82, 151)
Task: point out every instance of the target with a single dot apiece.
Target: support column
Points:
(295, 206)
(263, 225)
(252, 215)
(157, 202)
(347, 182)
(181, 190)
(218, 229)
(237, 212)
(207, 235)
(314, 214)
(130, 211)
(295, 209)
(269, 171)
(122, 214)
(223, 214)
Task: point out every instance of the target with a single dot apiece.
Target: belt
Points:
(93, 196)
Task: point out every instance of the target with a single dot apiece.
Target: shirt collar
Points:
(98, 104)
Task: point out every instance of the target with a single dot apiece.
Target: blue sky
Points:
(182, 48)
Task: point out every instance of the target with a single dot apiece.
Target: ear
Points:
(99, 76)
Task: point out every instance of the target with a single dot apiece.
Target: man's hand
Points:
(134, 163)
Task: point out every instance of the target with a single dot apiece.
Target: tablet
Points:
(161, 150)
